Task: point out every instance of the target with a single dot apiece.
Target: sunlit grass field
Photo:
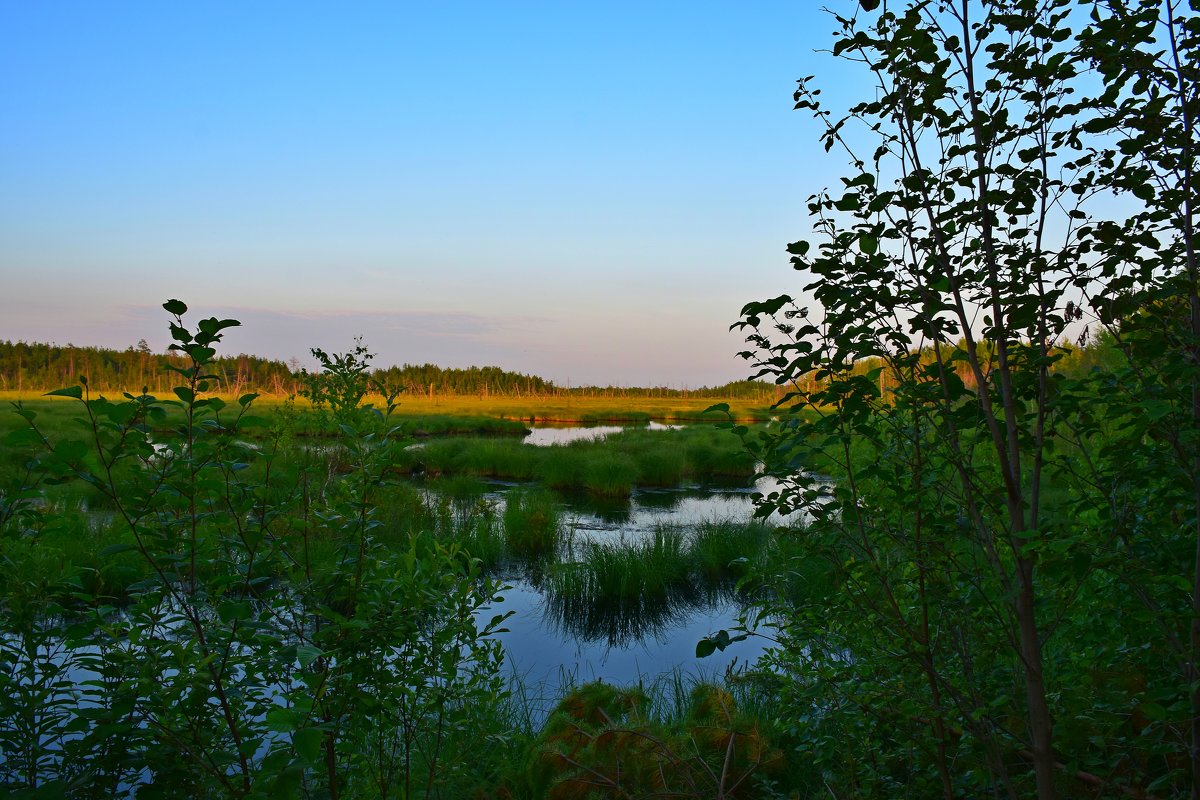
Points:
(551, 409)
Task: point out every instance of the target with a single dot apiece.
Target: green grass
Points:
(446, 425)
(722, 550)
(495, 458)
(532, 523)
(562, 467)
(710, 554)
(483, 539)
(68, 553)
(609, 467)
(660, 467)
(622, 592)
(623, 572)
(610, 475)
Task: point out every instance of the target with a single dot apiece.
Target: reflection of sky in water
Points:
(590, 519)
(543, 435)
(549, 645)
(544, 656)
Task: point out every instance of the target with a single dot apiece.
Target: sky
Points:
(584, 191)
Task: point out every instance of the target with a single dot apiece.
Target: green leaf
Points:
(175, 307)
(70, 391)
(281, 719)
(848, 202)
(307, 654)
(307, 742)
(705, 648)
(868, 244)
(230, 611)
(22, 436)
(114, 549)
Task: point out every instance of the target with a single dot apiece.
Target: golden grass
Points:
(560, 408)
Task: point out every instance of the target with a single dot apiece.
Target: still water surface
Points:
(547, 649)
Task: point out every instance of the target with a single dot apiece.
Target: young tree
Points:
(981, 528)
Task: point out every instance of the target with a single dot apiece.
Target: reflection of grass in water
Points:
(624, 417)
(460, 489)
(622, 592)
(618, 623)
(664, 501)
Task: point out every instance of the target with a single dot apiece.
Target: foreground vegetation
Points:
(203, 601)
(997, 591)
(1014, 547)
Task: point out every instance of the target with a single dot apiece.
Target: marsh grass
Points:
(728, 550)
(610, 475)
(608, 585)
(562, 467)
(609, 467)
(483, 538)
(660, 467)
(496, 458)
(442, 456)
(532, 523)
(447, 425)
(621, 593)
(626, 571)
(74, 550)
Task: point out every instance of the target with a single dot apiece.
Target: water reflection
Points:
(552, 644)
(624, 622)
(545, 435)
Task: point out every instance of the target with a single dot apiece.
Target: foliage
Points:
(1014, 603)
(605, 742)
(272, 648)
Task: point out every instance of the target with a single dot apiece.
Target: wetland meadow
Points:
(429, 578)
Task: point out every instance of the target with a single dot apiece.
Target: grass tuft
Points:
(532, 523)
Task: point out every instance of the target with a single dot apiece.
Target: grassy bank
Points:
(556, 409)
(610, 467)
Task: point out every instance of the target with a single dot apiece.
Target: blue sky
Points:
(589, 192)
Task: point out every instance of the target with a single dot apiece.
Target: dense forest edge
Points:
(42, 367)
(37, 367)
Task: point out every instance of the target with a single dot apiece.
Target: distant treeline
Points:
(36, 367)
